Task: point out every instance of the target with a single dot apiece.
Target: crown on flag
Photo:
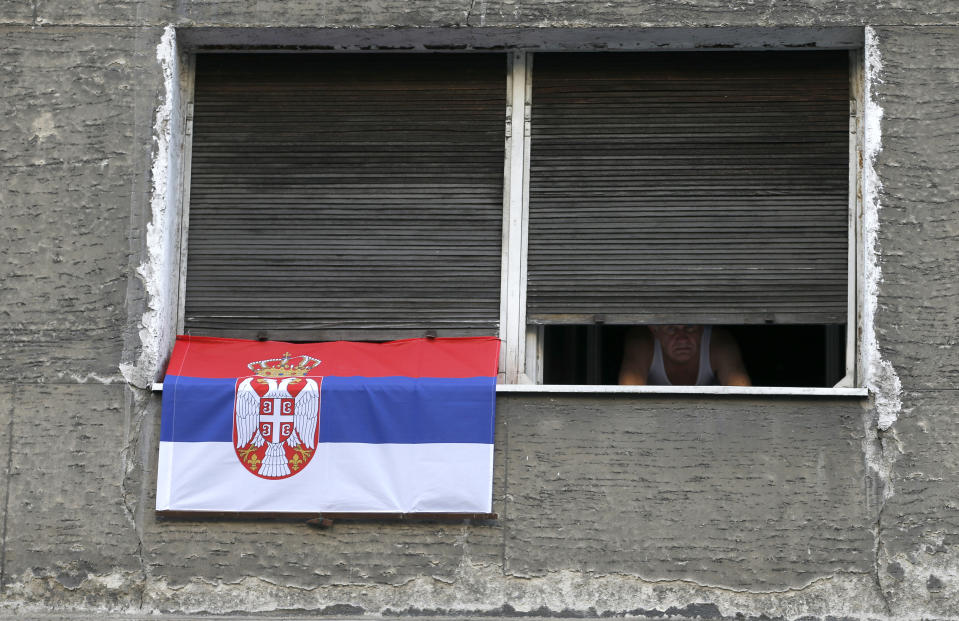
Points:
(286, 366)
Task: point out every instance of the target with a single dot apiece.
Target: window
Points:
(345, 196)
(691, 188)
(370, 196)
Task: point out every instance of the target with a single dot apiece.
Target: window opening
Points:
(784, 355)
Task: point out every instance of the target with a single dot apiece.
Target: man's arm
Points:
(637, 357)
(726, 359)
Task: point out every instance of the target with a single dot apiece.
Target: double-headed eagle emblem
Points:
(276, 416)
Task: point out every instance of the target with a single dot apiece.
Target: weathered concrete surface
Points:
(605, 485)
(624, 507)
(70, 538)
(919, 315)
(611, 506)
(16, 12)
(6, 431)
(919, 536)
(73, 155)
(688, 508)
(479, 13)
(919, 169)
(709, 13)
(105, 12)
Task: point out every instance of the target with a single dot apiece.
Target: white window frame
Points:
(521, 361)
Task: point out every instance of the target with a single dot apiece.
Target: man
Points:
(681, 355)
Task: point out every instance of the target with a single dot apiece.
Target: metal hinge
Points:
(189, 119)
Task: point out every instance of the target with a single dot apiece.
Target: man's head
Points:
(679, 343)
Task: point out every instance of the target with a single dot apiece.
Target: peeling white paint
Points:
(157, 270)
(91, 378)
(880, 376)
(94, 595)
(44, 126)
(114, 581)
(485, 590)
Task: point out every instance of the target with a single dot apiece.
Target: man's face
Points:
(679, 343)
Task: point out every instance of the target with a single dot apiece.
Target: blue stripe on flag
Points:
(381, 410)
(197, 409)
(402, 410)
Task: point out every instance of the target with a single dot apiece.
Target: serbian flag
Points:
(399, 427)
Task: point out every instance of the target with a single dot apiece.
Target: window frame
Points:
(521, 357)
(522, 361)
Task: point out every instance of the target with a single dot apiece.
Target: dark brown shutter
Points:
(689, 188)
(346, 196)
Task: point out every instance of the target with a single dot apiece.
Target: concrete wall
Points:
(689, 507)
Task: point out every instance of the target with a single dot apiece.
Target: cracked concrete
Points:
(8, 465)
(133, 458)
(482, 13)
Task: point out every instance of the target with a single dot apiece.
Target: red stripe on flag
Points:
(211, 357)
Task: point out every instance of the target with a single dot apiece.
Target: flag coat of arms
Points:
(399, 427)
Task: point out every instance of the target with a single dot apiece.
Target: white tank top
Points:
(705, 377)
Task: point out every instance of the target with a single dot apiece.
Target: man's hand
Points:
(637, 357)
(726, 359)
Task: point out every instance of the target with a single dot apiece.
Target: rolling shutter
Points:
(346, 196)
(689, 188)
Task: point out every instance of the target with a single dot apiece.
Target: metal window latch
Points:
(189, 119)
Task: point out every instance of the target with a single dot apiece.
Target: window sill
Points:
(787, 391)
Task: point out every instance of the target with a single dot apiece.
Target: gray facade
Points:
(609, 505)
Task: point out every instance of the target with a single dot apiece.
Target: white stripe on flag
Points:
(342, 477)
